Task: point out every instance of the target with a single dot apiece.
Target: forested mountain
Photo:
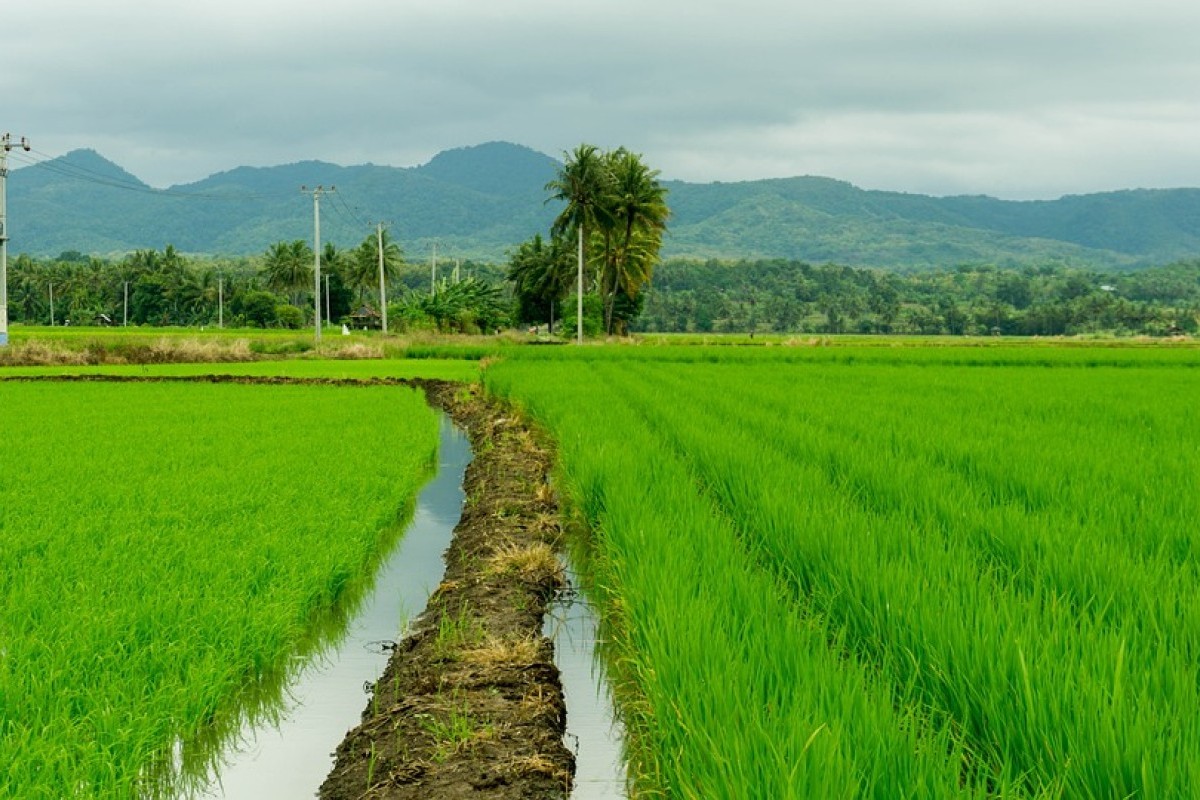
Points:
(480, 202)
(475, 202)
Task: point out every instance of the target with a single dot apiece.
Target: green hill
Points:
(478, 202)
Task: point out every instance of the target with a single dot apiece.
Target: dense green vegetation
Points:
(793, 297)
(167, 288)
(888, 572)
(166, 550)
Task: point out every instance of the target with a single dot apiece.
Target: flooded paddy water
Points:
(291, 759)
(594, 733)
(292, 756)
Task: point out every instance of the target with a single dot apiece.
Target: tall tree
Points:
(362, 267)
(638, 213)
(582, 183)
(288, 267)
(542, 275)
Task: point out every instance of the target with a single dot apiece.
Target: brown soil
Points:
(471, 704)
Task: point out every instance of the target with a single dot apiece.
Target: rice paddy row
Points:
(168, 551)
(852, 578)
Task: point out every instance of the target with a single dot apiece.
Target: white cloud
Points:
(1021, 98)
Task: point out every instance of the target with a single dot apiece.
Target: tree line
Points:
(783, 296)
(275, 289)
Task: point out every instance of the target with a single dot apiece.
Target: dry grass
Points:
(355, 351)
(536, 704)
(166, 350)
(540, 765)
(532, 563)
(40, 354)
(494, 652)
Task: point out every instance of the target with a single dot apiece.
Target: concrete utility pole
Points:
(316, 193)
(125, 308)
(433, 273)
(579, 294)
(6, 145)
(220, 302)
(51, 305)
(382, 286)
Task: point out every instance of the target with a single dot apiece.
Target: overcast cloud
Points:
(1013, 98)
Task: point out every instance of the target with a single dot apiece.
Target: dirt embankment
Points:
(471, 704)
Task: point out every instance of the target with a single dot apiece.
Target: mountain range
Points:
(480, 202)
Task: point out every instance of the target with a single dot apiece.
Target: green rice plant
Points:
(996, 555)
(168, 552)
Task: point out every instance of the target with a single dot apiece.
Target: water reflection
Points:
(294, 718)
(594, 732)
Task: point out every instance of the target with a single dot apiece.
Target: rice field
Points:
(889, 573)
(870, 570)
(168, 552)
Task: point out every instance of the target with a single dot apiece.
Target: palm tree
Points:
(582, 184)
(288, 267)
(639, 214)
(541, 275)
(362, 269)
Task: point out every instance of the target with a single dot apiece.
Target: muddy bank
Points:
(471, 704)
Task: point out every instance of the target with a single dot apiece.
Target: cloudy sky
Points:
(1019, 99)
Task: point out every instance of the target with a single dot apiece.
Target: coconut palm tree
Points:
(288, 267)
(639, 216)
(542, 275)
(582, 183)
(362, 268)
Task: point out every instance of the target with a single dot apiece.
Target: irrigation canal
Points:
(593, 731)
(289, 760)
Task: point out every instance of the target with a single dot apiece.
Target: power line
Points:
(57, 165)
(79, 172)
(354, 213)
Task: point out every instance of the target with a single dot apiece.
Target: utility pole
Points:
(125, 308)
(52, 304)
(382, 286)
(316, 193)
(433, 273)
(220, 302)
(6, 145)
(579, 294)
(328, 316)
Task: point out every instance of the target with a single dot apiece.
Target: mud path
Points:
(471, 704)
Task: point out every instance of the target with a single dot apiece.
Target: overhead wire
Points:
(59, 166)
(353, 214)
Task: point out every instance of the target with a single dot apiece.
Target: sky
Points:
(1019, 99)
